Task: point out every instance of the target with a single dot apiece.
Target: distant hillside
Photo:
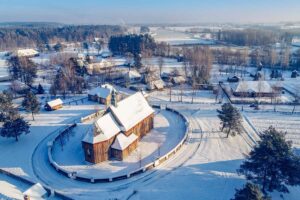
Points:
(30, 24)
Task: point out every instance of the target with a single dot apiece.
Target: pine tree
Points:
(40, 89)
(31, 104)
(230, 119)
(7, 111)
(249, 192)
(272, 163)
(15, 128)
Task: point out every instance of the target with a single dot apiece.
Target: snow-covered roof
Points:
(131, 110)
(178, 79)
(55, 102)
(37, 191)
(108, 128)
(122, 142)
(158, 84)
(25, 52)
(103, 91)
(254, 86)
(133, 74)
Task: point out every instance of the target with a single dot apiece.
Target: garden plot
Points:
(168, 131)
(283, 122)
(184, 94)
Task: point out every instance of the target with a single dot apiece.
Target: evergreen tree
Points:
(272, 163)
(249, 192)
(31, 104)
(15, 128)
(7, 111)
(230, 119)
(40, 89)
(138, 61)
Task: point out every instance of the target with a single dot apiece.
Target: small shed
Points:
(36, 192)
(123, 146)
(54, 105)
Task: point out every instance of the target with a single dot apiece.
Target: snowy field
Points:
(18, 154)
(284, 122)
(167, 133)
(175, 37)
(184, 94)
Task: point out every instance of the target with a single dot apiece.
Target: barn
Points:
(116, 134)
(54, 105)
(101, 94)
(253, 89)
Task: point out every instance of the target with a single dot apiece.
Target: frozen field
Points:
(175, 37)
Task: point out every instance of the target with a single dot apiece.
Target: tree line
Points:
(23, 36)
(253, 37)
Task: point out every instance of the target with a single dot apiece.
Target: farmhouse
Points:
(116, 134)
(101, 94)
(253, 89)
(54, 105)
(132, 76)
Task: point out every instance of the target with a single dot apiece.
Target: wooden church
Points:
(116, 134)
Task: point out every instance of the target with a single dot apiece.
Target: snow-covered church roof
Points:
(122, 141)
(107, 128)
(254, 86)
(131, 110)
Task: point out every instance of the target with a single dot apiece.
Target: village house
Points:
(132, 76)
(25, 53)
(253, 89)
(54, 105)
(101, 94)
(116, 134)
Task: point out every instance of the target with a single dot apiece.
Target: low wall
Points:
(160, 160)
(92, 116)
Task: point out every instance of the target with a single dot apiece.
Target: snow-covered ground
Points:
(167, 133)
(289, 123)
(175, 37)
(11, 188)
(18, 154)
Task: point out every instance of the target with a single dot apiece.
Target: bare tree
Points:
(160, 64)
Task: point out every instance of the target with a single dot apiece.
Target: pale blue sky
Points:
(149, 11)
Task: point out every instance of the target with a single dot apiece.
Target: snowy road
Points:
(206, 160)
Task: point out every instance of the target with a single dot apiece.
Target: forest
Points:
(17, 36)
